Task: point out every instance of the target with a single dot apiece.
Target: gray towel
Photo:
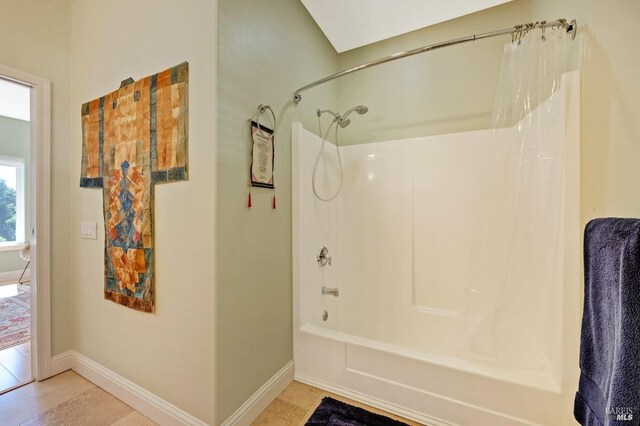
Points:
(609, 389)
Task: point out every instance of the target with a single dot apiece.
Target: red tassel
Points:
(274, 202)
(249, 204)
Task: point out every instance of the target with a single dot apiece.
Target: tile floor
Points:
(15, 366)
(69, 399)
(15, 362)
(298, 401)
(66, 399)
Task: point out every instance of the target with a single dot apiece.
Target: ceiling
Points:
(354, 23)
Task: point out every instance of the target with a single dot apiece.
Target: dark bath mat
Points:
(336, 413)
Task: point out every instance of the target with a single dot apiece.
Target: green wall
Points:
(14, 142)
(443, 91)
(169, 353)
(610, 95)
(266, 51)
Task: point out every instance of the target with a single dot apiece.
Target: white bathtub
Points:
(399, 237)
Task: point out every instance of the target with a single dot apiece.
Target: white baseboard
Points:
(150, 405)
(373, 402)
(60, 363)
(159, 410)
(14, 275)
(252, 408)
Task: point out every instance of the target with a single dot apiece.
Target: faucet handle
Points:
(323, 258)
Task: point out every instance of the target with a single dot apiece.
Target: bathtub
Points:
(398, 236)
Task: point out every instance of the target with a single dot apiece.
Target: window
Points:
(12, 215)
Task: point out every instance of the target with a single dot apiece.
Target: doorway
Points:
(25, 329)
(15, 219)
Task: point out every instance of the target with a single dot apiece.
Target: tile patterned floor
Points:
(66, 399)
(298, 401)
(15, 362)
(15, 366)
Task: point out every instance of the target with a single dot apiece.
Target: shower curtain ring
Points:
(515, 35)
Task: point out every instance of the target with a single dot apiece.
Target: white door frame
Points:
(40, 172)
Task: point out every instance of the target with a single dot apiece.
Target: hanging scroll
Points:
(261, 170)
(262, 156)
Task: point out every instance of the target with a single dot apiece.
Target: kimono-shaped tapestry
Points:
(133, 138)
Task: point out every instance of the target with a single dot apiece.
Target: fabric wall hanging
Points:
(133, 138)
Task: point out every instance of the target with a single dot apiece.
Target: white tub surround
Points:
(400, 235)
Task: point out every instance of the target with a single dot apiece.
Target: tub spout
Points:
(332, 291)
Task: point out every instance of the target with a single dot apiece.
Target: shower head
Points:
(342, 120)
(360, 109)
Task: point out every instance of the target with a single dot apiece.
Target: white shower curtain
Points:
(507, 317)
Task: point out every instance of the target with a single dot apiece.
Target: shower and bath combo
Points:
(422, 292)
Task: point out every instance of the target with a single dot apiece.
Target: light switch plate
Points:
(89, 230)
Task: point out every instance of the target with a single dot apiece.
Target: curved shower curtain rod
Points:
(516, 32)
